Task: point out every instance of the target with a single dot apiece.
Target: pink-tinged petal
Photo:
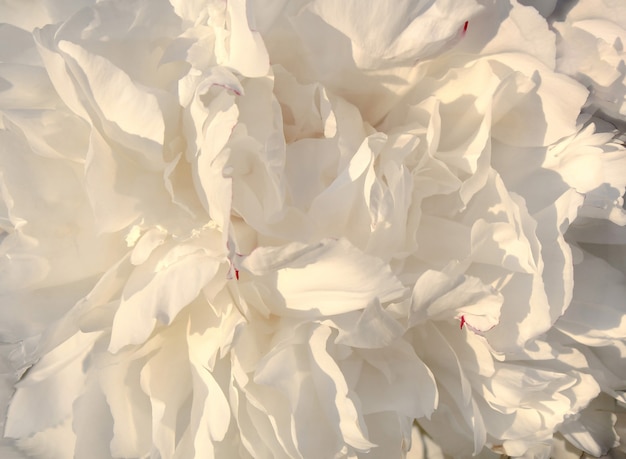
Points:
(439, 296)
(408, 31)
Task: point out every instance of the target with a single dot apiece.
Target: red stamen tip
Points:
(237, 274)
(465, 26)
(462, 322)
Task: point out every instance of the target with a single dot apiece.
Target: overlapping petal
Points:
(312, 229)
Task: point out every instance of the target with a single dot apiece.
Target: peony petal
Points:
(60, 368)
(115, 181)
(247, 50)
(152, 239)
(395, 379)
(127, 106)
(372, 328)
(596, 314)
(438, 296)
(331, 277)
(408, 32)
(129, 405)
(331, 387)
(93, 424)
(167, 394)
(160, 291)
(593, 430)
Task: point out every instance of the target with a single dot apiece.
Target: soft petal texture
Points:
(158, 290)
(591, 46)
(411, 31)
(308, 228)
(330, 278)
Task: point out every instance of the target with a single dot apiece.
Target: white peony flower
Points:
(310, 229)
